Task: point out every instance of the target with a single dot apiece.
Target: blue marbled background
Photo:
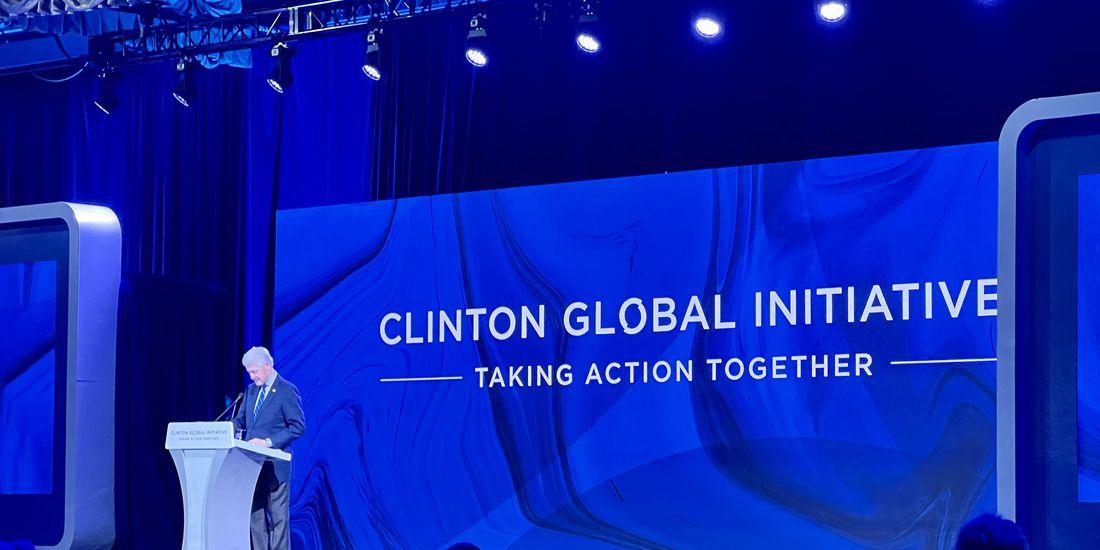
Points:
(1088, 340)
(898, 460)
(27, 328)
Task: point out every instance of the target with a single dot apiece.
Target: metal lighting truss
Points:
(160, 38)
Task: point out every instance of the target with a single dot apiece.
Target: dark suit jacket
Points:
(279, 419)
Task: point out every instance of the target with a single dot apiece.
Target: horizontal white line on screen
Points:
(422, 379)
(942, 361)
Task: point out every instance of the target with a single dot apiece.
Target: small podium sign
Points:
(199, 435)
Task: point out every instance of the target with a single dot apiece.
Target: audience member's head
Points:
(991, 532)
(463, 546)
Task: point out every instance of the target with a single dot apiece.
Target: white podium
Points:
(218, 477)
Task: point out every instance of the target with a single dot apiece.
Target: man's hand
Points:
(260, 442)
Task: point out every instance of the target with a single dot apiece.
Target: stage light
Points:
(477, 42)
(281, 77)
(708, 26)
(832, 11)
(588, 28)
(184, 90)
(104, 96)
(372, 64)
(588, 43)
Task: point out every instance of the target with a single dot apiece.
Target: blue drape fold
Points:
(196, 191)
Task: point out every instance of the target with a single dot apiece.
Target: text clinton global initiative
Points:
(850, 304)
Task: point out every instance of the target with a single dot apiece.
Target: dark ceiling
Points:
(778, 86)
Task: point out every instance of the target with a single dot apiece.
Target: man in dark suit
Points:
(271, 417)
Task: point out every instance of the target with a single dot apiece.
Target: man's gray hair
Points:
(257, 356)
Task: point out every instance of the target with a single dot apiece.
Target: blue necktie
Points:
(259, 401)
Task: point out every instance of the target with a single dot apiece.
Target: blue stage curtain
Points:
(195, 219)
(196, 191)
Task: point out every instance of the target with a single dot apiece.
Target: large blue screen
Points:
(28, 305)
(1088, 340)
(787, 355)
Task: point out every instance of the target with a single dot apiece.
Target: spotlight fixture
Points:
(588, 31)
(184, 92)
(103, 93)
(707, 26)
(477, 42)
(832, 11)
(281, 77)
(372, 62)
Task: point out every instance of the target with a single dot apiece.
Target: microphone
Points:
(231, 405)
(237, 404)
